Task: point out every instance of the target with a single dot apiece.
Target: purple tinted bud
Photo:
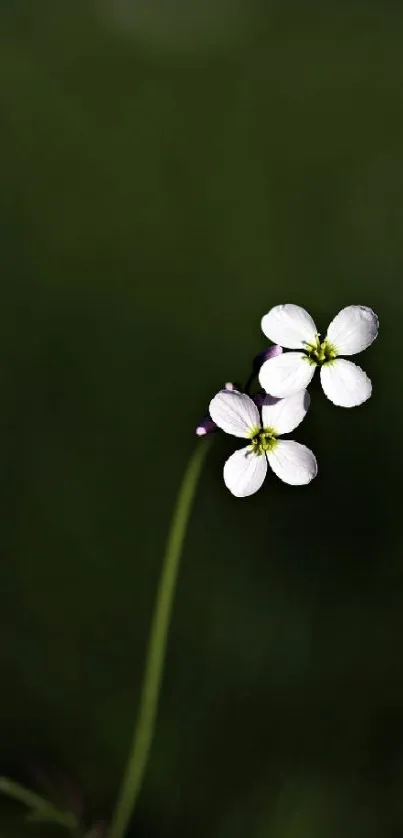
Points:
(263, 398)
(258, 398)
(268, 353)
(232, 387)
(206, 426)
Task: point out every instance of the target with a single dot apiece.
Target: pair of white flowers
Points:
(284, 377)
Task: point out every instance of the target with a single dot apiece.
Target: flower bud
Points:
(263, 398)
(269, 352)
(206, 426)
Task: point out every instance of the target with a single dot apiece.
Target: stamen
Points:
(320, 352)
(264, 440)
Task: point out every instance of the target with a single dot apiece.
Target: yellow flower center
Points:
(320, 352)
(263, 439)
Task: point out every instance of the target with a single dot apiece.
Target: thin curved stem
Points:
(40, 808)
(151, 686)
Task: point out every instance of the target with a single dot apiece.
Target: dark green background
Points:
(166, 177)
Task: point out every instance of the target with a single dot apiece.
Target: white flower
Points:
(344, 383)
(244, 472)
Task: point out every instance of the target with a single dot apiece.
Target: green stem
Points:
(151, 686)
(41, 809)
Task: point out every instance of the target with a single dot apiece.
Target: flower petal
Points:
(286, 414)
(290, 326)
(344, 383)
(293, 463)
(244, 472)
(285, 375)
(353, 329)
(235, 413)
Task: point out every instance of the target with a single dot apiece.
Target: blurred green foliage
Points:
(157, 196)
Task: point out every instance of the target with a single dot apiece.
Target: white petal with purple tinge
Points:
(235, 413)
(287, 374)
(353, 329)
(293, 463)
(244, 472)
(286, 414)
(289, 326)
(345, 383)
